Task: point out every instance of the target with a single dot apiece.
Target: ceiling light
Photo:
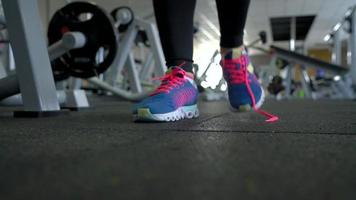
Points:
(327, 37)
(337, 26)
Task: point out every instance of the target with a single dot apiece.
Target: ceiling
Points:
(328, 13)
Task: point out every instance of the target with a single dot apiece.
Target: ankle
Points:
(235, 52)
(190, 75)
(186, 65)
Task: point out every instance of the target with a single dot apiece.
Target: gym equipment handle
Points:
(69, 41)
(9, 85)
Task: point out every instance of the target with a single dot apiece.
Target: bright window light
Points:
(327, 37)
(337, 26)
(337, 78)
(203, 53)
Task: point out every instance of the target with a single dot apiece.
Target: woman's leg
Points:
(232, 18)
(245, 91)
(176, 98)
(175, 24)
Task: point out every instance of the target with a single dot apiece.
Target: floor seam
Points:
(210, 118)
(271, 132)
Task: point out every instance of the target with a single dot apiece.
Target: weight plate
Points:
(101, 38)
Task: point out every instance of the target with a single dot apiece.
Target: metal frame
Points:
(146, 69)
(70, 99)
(337, 48)
(127, 43)
(125, 59)
(308, 61)
(73, 98)
(342, 86)
(305, 79)
(156, 47)
(346, 81)
(32, 62)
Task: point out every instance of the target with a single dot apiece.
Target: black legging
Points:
(175, 23)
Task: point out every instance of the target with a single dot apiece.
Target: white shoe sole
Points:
(184, 112)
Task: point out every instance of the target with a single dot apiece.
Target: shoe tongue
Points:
(176, 71)
(178, 74)
(235, 53)
(228, 55)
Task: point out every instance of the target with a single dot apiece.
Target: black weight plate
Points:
(100, 32)
(123, 27)
(60, 72)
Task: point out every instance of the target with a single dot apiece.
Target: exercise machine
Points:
(125, 78)
(340, 84)
(75, 44)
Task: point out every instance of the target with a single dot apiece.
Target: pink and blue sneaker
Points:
(175, 99)
(244, 90)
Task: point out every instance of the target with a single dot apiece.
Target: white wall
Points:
(141, 8)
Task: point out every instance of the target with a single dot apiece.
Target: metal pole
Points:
(305, 83)
(156, 47)
(135, 83)
(292, 34)
(337, 59)
(291, 48)
(336, 51)
(353, 46)
(123, 53)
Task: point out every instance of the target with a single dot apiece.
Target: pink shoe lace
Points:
(170, 80)
(238, 76)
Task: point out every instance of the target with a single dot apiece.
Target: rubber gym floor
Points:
(100, 153)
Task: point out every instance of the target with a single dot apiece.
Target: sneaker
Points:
(175, 99)
(244, 91)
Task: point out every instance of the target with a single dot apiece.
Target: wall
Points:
(141, 8)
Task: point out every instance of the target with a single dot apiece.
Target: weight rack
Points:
(34, 77)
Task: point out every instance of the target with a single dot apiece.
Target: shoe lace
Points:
(235, 75)
(173, 78)
(238, 75)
